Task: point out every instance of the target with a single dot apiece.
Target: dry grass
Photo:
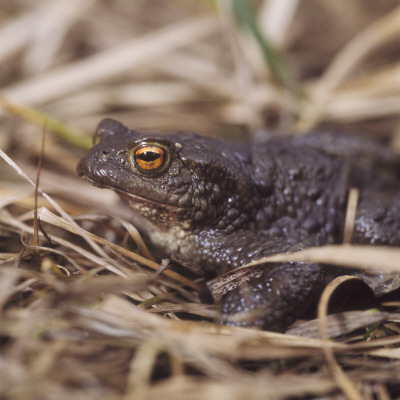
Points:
(83, 314)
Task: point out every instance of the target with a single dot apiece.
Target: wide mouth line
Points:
(134, 196)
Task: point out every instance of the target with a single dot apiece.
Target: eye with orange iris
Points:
(150, 158)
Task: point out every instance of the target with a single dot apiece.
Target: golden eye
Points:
(149, 158)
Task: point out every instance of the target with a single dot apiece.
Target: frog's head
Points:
(175, 179)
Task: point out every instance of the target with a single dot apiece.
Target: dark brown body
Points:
(219, 205)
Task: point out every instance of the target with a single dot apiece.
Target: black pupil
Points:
(148, 156)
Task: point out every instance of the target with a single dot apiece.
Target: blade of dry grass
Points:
(110, 63)
(342, 324)
(56, 206)
(273, 58)
(381, 31)
(63, 131)
(350, 218)
(47, 216)
(276, 17)
(345, 108)
(141, 369)
(14, 36)
(386, 353)
(348, 387)
(55, 24)
(368, 258)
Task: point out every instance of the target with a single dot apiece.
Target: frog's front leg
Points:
(274, 296)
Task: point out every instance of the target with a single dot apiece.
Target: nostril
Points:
(103, 155)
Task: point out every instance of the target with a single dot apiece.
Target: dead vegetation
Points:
(83, 311)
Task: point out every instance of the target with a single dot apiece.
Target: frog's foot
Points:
(274, 298)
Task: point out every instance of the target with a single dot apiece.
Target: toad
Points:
(218, 205)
